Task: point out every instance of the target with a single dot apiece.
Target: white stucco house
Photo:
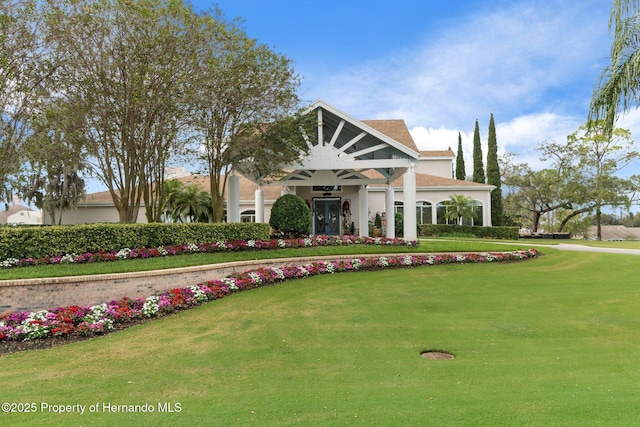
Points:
(18, 214)
(353, 170)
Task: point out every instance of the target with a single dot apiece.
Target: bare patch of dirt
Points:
(437, 355)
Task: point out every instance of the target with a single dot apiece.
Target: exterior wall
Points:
(433, 196)
(25, 217)
(437, 166)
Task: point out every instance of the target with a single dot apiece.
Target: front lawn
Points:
(551, 341)
(165, 262)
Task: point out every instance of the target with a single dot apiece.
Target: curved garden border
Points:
(100, 318)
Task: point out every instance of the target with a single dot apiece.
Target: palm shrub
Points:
(290, 216)
(459, 208)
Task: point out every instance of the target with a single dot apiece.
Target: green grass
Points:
(552, 341)
(203, 259)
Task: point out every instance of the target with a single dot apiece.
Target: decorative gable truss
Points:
(343, 149)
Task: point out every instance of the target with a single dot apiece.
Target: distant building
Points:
(18, 214)
(615, 232)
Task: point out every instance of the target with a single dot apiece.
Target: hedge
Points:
(510, 233)
(38, 242)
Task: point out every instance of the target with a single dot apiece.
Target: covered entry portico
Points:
(345, 156)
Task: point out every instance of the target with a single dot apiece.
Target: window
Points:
(442, 209)
(398, 207)
(423, 213)
(248, 216)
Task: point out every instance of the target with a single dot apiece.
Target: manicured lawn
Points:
(552, 341)
(214, 258)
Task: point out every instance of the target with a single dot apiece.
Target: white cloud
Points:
(437, 139)
(533, 64)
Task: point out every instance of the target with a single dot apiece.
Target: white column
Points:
(409, 197)
(233, 201)
(389, 212)
(285, 190)
(486, 213)
(434, 210)
(259, 205)
(363, 210)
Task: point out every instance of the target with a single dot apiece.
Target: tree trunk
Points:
(598, 222)
(568, 218)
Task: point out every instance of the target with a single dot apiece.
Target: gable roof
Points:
(342, 147)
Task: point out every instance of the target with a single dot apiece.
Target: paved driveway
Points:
(582, 248)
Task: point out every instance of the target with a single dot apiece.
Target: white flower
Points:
(150, 306)
(10, 262)
(68, 258)
(230, 283)
(97, 313)
(278, 272)
(255, 277)
(198, 294)
(123, 253)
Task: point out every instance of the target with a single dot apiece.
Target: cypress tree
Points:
(460, 168)
(478, 168)
(493, 176)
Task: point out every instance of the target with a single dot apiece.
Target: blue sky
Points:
(440, 65)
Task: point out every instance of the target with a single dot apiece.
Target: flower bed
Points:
(98, 319)
(213, 247)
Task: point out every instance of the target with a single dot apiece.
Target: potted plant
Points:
(377, 226)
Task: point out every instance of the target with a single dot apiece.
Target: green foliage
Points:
(399, 224)
(187, 203)
(510, 233)
(459, 208)
(378, 221)
(478, 168)
(460, 166)
(617, 89)
(290, 216)
(38, 242)
(493, 176)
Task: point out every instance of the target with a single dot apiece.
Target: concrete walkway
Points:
(583, 248)
(571, 247)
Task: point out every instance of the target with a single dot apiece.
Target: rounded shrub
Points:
(290, 216)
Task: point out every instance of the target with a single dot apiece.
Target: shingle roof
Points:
(396, 129)
(437, 153)
(425, 180)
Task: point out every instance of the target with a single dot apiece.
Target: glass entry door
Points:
(326, 216)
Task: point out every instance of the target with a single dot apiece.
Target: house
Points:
(614, 232)
(353, 170)
(18, 214)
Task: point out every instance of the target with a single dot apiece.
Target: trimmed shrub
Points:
(510, 233)
(290, 216)
(39, 242)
